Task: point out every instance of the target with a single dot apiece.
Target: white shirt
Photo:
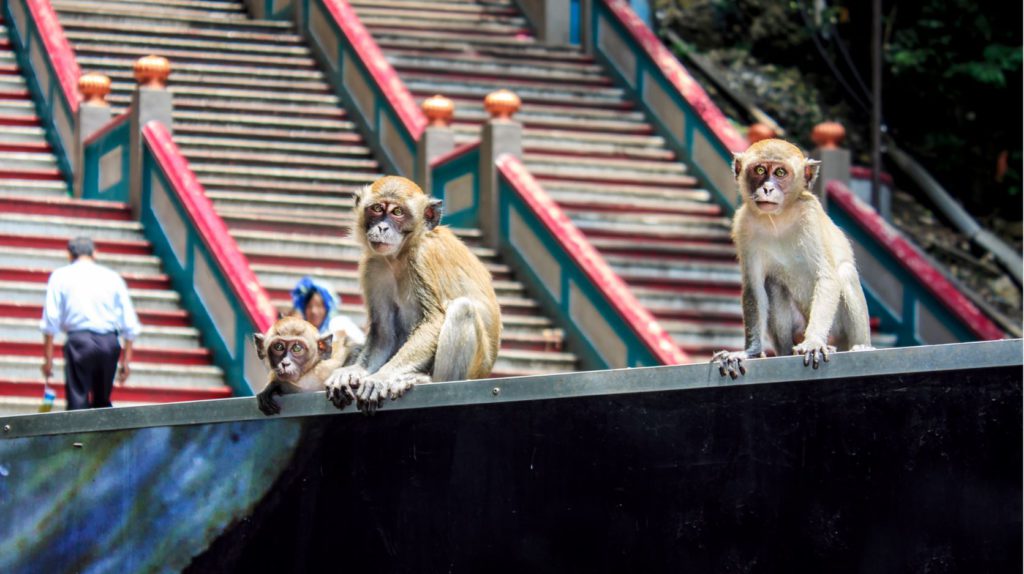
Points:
(342, 323)
(86, 296)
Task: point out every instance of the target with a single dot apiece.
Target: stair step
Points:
(143, 374)
(70, 10)
(152, 336)
(121, 68)
(20, 223)
(53, 258)
(35, 292)
(23, 396)
(170, 30)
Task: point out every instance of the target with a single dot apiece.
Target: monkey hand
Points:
(378, 387)
(265, 399)
(731, 362)
(343, 384)
(812, 350)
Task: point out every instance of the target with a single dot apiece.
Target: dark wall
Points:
(900, 474)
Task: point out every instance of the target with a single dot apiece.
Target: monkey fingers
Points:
(342, 385)
(397, 386)
(731, 363)
(371, 394)
(267, 404)
(812, 352)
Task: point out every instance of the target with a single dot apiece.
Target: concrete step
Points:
(29, 161)
(439, 7)
(514, 362)
(212, 5)
(53, 258)
(188, 108)
(70, 10)
(121, 68)
(14, 329)
(143, 374)
(486, 31)
(19, 108)
(312, 150)
(271, 158)
(489, 69)
(22, 134)
(528, 90)
(42, 189)
(183, 56)
(151, 299)
(289, 205)
(19, 223)
(175, 30)
(228, 44)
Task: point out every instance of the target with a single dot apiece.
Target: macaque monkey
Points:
(430, 304)
(299, 359)
(797, 266)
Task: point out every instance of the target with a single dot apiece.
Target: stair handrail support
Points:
(375, 97)
(52, 75)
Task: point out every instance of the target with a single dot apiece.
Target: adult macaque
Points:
(299, 359)
(432, 311)
(797, 266)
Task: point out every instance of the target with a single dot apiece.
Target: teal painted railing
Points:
(682, 111)
(106, 159)
(52, 71)
(213, 277)
(903, 295)
(455, 180)
(608, 327)
(374, 96)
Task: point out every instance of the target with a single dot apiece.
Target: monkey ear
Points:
(811, 168)
(357, 195)
(737, 163)
(325, 345)
(432, 213)
(257, 339)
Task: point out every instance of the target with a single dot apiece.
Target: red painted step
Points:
(28, 147)
(134, 281)
(14, 94)
(157, 355)
(119, 246)
(66, 207)
(126, 393)
(35, 174)
(152, 317)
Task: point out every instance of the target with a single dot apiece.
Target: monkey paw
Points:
(343, 384)
(266, 402)
(731, 362)
(813, 350)
(378, 387)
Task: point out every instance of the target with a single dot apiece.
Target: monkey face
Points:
(387, 225)
(288, 358)
(769, 182)
(392, 210)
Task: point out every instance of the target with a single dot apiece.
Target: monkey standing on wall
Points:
(432, 311)
(797, 266)
(299, 359)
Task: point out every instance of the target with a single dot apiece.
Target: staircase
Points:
(275, 151)
(37, 218)
(589, 146)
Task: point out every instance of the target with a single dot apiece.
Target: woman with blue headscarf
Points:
(318, 304)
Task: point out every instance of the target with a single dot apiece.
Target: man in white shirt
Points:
(90, 303)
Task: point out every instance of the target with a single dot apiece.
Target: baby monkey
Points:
(299, 359)
(797, 266)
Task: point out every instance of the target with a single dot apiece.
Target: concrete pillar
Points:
(437, 139)
(550, 19)
(500, 135)
(93, 113)
(835, 161)
(150, 101)
(586, 34)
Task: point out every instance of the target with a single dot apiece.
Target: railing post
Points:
(150, 101)
(835, 161)
(586, 32)
(500, 135)
(93, 113)
(437, 139)
(550, 19)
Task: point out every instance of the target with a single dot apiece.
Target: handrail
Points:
(913, 261)
(677, 75)
(210, 227)
(58, 49)
(394, 90)
(457, 152)
(611, 286)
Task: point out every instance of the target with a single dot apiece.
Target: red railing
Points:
(593, 265)
(210, 227)
(57, 48)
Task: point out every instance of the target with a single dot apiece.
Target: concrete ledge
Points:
(880, 363)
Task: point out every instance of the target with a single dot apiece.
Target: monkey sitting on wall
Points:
(431, 307)
(299, 359)
(797, 266)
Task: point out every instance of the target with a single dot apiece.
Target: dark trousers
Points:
(90, 363)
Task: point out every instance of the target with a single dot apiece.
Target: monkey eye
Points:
(377, 208)
(780, 172)
(298, 349)
(760, 170)
(278, 346)
(398, 211)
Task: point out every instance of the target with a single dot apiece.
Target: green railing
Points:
(106, 161)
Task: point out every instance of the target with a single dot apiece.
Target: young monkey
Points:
(299, 359)
(797, 266)
(433, 314)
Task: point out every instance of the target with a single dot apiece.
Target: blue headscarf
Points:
(305, 288)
